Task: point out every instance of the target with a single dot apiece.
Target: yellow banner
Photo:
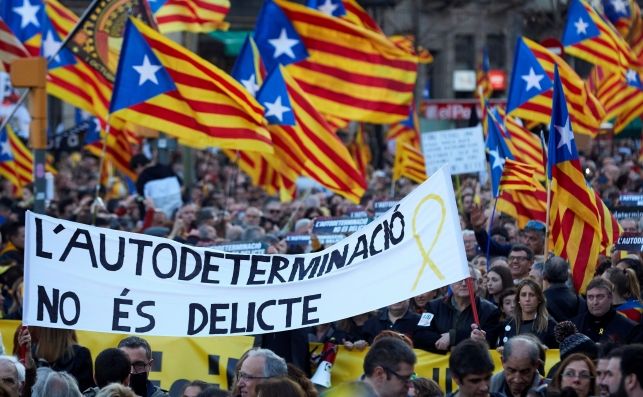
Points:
(178, 360)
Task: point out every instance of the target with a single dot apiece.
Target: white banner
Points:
(462, 149)
(95, 279)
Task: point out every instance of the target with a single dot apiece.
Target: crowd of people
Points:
(524, 300)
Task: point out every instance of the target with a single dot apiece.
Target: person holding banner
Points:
(398, 317)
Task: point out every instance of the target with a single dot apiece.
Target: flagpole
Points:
(493, 215)
(101, 164)
(548, 183)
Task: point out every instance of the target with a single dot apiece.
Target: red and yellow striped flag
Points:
(518, 176)
(361, 151)
(409, 163)
(524, 145)
(10, 47)
(198, 16)
(524, 205)
(351, 72)
(610, 228)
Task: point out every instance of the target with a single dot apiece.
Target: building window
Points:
(496, 45)
(464, 52)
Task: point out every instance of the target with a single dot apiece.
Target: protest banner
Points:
(463, 149)
(248, 247)
(380, 207)
(629, 242)
(338, 224)
(177, 360)
(628, 212)
(631, 200)
(88, 278)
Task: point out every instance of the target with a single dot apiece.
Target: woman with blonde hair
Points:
(627, 292)
(530, 315)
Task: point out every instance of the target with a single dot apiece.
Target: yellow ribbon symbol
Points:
(426, 258)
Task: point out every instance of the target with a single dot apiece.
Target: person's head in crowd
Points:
(467, 203)
(631, 384)
(273, 211)
(193, 388)
(578, 372)
(498, 279)
(50, 383)
(533, 236)
(302, 226)
(205, 216)
(213, 391)
(471, 367)
(520, 362)
(419, 302)
(115, 390)
(520, 260)
(278, 387)
(536, 273)
(112, 365)
(14, 233)
(139, 162)
(459, 288)
(302, 380)
(531, 305)
(9, 375)
(187, 214)
(571, 341)
(601, 367)
(207, 235)
(140, 356)
(313, 212)
(612, 378)
(259, 365)
(626, 285)
(387, 333)
(425, 387)
(507, 303)
(398, 309)
(252, 216)
(499, 261)
(480, 262)
(599, 296)
(633, 263)
(253, 233)
(389, 367)
(555, 271)
(470, 243)
(629, 225)
(499, 234)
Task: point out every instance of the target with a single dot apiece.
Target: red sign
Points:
(498, 79)
(453, 109)
(554, 45)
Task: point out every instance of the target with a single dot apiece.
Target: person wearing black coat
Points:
(397, 317)
(451, 318)
(562, 303)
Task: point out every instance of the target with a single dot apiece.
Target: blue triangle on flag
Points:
(562, 145)
(140, 75)
(528, 78)
(634, 79)
(156, 5)
(5, 147)
(616, 9)
(246, 68)
(23, 17)
(579, 25)
(276, 37)
(333, 8)
(273, 95)
(51, 47)
(498, 150)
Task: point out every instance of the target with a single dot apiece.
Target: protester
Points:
(258, 366)
(398, 317)
(578, 372)
(140, 357)
(627, 292)
(471, 368)
(112, 365)
(520, 362)
(631, 384)
(388, 367)
(10, 378)
(115, 390)
(612, 375)
(498, 280)
(562, 302)
(50, 383)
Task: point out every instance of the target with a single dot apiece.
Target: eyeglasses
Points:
(140, 366)
(581, 375)
(517, 258)
(403, 379)
(243, 375)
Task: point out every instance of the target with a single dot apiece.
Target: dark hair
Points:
(631, 361)
(111, 366)
(635, 265)
(279, 387)
(625, 282)
(558, 376)
(425, 387)
(138, 160)
(470, 357)
(501, 231)
(213, 391)
(505, 275)
(134, 342)
(600, 282)
(522, 247)
(302, 380)
(195, 383)
(388, 352)
(556, 270)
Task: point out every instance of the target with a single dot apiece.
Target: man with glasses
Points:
(520, 260)
(140, 356)
(471, 367)
(601, 323)
(259, 365)
(389, 366)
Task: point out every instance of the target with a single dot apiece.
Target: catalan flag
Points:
(346, 70)
(361, 151)
(610, 228)
(483, 84)
(589, 37)
(623, 14)
(524, 205)
(199, 16)
(183, 95)
(358, 16)
(334, 8)
(574, 221)
(530, 91)
(407, 43)
(303, 133)
(23, 18)
(409, 163)
(631, 99)
(10, 47)
(15, 168)
(498, 152)
(408, 130)
(518, 176)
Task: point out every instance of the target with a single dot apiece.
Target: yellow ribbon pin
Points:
(426, 258)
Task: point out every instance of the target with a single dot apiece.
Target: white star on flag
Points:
(251, 85)
(498, 161)
(276, 109)
(5, 149)
(147, 72)
(619, 6)
(581, 26)
(532, 79)
(328, 7)
(631, 75)
(566, 135)
(27, 14)
(50, 46)
(283, 44)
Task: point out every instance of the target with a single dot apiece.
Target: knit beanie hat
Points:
(572, 341)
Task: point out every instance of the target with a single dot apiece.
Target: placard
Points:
(462, 149)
